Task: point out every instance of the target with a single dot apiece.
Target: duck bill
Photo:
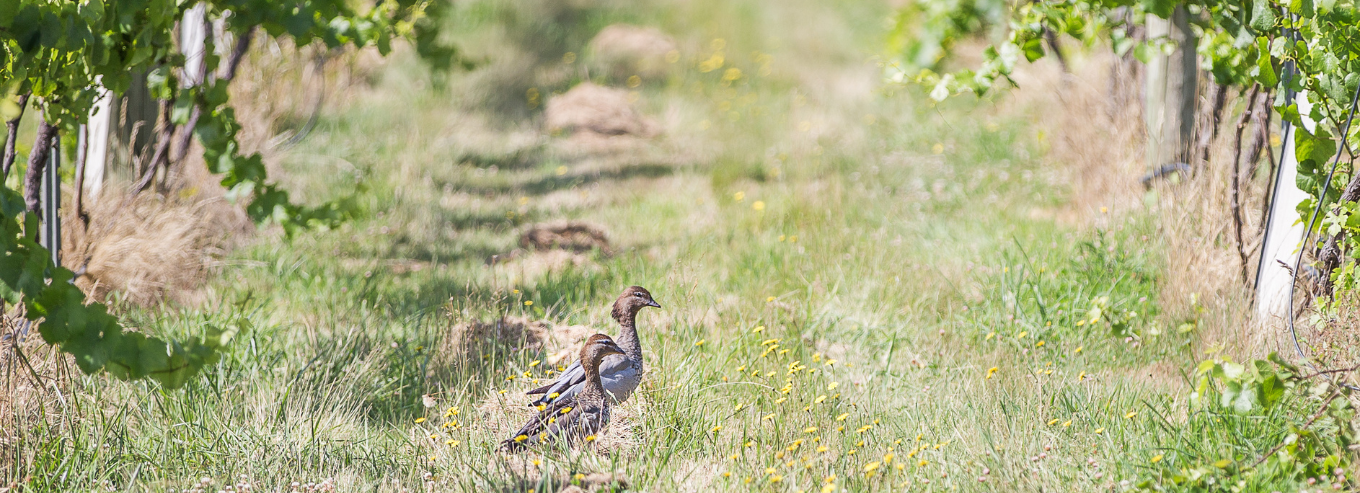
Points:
(653, 303)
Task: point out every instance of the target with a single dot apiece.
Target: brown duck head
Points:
(632, 300)
(594, 351)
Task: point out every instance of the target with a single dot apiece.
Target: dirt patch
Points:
(622, 51)
(574, 236)
(599, 110)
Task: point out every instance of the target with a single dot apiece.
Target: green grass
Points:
(916, 268)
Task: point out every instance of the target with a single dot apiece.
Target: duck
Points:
(620, 374)
(580, 418)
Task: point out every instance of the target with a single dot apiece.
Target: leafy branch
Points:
(60, 53)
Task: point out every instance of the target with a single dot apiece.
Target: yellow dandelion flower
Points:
(991, 371)
(1100, 430)
(420, 420)
(820, 399)
(432, 437)
(741, 368)
(716, 429)
(1078, 350)
(739, 196)
(590, 438)
(830, 362)
(864, 428)
(739, 406)
(1156, 458)
(1039, 344)
(829, 488)
(832, 385)
(750, 444)
(842, 416)
(776, 478)
(1131, 414)
(727, 474)
(840, 428)
(521, 438)
(566, 410)
(989, 337)
(553, 395)
(700, 343)
(1067, 423)
(758, 329)
(451, 443)
(1022, 334)
(529, 303)
(758, 205)
(821, 448)
(578, 476)
(768, 417)
(769, 299)
(1052, 421)
(923, 463)
(870, 467)
(1081, 376)
(810, 429)
(503, 391)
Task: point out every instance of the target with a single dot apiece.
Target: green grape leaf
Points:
(1262, 16)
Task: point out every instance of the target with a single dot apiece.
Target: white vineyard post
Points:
(1284, 231)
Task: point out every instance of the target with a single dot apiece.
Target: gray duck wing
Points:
(619, 377)
(616, 373)
(567, 384)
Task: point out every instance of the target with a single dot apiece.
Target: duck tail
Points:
(510, 446)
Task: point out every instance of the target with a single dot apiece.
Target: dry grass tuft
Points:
(470, 340)
(1102, 149)
(623, 51)
(599, 110)
(30, 387)
(1102, 154)
(148, 248)
(576, 236)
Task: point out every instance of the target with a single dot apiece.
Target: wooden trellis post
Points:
(1172, 90)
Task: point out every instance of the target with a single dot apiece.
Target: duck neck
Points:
(594, 386)
(628, 337)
